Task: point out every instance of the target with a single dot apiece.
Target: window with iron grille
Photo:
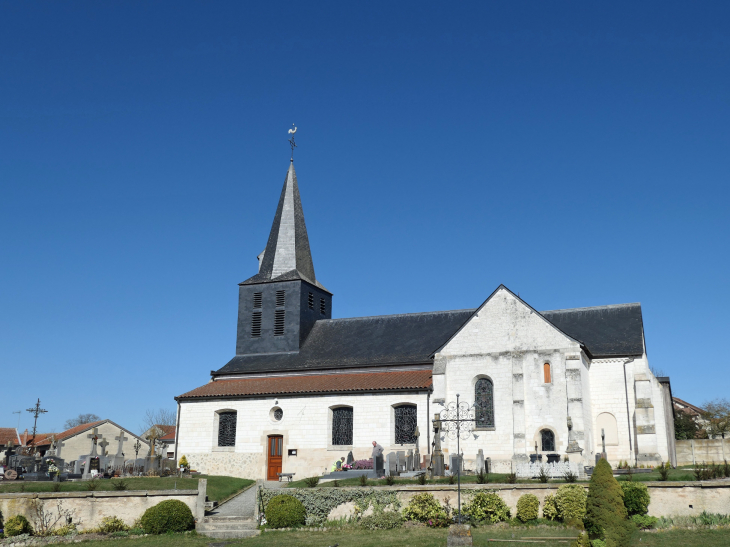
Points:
(342, 426)
(279, 316)
(280, 298)
(406, 421)
(257, 300)
(256, 324)
(322, 306)
(484, 402)
(310, 301)
(548, 440)
(227, 429)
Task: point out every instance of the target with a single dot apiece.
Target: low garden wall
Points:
(702, 450)
(667, 498)
(87, 509)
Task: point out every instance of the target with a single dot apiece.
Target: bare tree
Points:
(162, 416)
(717, 415)
(81, 419)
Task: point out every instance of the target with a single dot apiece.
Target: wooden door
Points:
(274, 452)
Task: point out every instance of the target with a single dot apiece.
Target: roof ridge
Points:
(606, 306)
(465, 310)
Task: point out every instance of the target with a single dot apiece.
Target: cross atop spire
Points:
(287, 255)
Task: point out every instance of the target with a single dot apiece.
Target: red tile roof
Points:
(46, 437)
(320, 383)
(8, 434)
(168, 430)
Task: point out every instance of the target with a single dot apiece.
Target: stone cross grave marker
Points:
(350, 458)
(409, 460)
(417, 452)
(103, 444)
(94, 436)
(61, 444)
(119, 456)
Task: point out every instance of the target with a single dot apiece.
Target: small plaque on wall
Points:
(292, 451)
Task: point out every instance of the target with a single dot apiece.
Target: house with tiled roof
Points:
(305, 389)
(8, 436)
(74, 443)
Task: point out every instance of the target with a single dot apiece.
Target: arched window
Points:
(227, 428)
(342, 426)
(547, 438)
(484, 402)
(406, 420)
(546, 373)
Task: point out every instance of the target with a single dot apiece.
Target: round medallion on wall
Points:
(276, 414)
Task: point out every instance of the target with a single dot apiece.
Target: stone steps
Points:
(227, 527)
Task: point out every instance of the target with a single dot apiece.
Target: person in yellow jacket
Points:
(337, 466)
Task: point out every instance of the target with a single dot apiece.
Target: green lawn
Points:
(219, 488)
(427, 537)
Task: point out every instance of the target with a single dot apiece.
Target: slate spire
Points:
(287, 255)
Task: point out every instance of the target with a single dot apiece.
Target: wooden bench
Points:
(285, 475)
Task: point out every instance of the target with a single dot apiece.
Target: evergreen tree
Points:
(606, 515)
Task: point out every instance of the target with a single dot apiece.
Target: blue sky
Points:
(576, 152)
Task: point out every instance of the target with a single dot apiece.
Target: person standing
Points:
(378, 466)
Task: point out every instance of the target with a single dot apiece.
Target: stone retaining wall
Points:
(667, 498)
(89, 508)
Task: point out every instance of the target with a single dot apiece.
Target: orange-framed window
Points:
(546, 373)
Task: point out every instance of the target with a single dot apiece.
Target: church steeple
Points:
(278, 306)
(287, 255)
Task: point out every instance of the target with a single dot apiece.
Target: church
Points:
(304, 389)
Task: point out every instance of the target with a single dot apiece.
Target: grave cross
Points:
(95, 436)
(152, 438)
(60, 445)
(121, 438)
(103, 444)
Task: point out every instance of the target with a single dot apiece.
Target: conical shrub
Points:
(606, 516)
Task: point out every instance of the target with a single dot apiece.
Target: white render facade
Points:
(297, 372)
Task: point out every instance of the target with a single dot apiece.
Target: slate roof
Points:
(287, 255)
(361, 341)
(316, 383)
(605, 331)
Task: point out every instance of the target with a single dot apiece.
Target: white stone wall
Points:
(509, 343)
(305, 426)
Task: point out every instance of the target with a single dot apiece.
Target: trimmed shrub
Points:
(512, 478)
(636, 498)
(605, 511)
(17, 525)
(424, 507)
(109, 525)
(528, 507)
(284, 511)
(167, 516)
(644, 522)
(311, 482)
(571, 502)
(487, 507)
(581, 541)
(382, 520)
(183, 462)
(550, 508)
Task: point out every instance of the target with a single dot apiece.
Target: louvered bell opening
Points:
(257, 299)
(256, 324)
(322, 306)
(280, 299)
(279, 316)
(310, 301)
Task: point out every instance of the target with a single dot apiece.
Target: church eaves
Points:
(287, 255)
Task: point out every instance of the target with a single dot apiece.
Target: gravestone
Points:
(437, 458)
(351, 458)
(95, 436)
(118, 461)
(390, 464)
(409, 460)
(480, 461)
(459, 534)
(151, 460)
(77, 465)
(417, 452)
(400, 461)
(379, 466)
(455, 463)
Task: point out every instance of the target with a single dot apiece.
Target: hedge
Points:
(167, 516)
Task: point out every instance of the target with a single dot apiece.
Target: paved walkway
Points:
(244, 504)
